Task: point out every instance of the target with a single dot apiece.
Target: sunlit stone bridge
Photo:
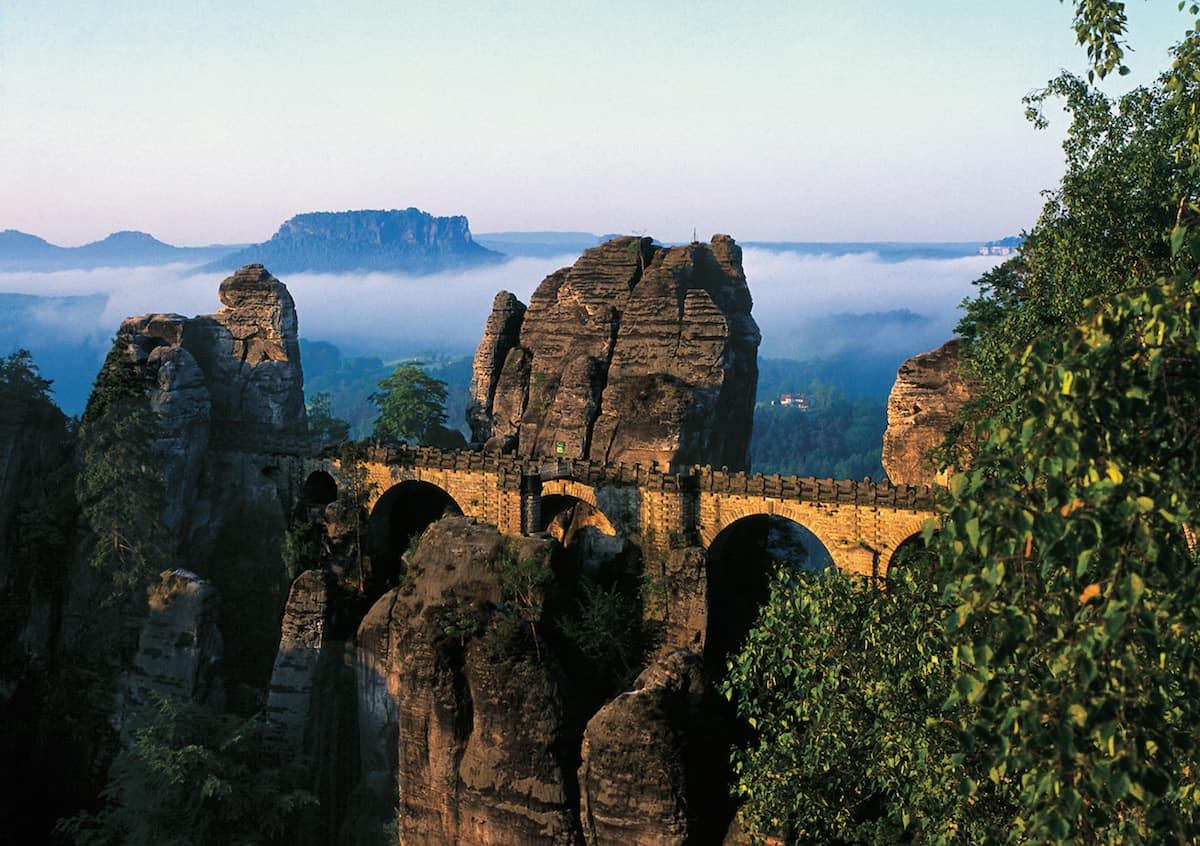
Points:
(860, 524)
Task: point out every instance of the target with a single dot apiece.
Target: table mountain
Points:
(409, 241)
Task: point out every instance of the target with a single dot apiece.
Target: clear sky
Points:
(802, 120)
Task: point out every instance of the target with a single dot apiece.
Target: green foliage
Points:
(1103, 230)
(1100, 26)
(459, 622)
(191, 777)
(350, 507)
(349, 380)
(301, 546)
(607, 629)
(411, 405)
(43, 516)
(1053, 686)
(21, 383)
(322, 422)
(119, 486)
(836, 438)
(1075, 579)
(523, 582)
(843, 685)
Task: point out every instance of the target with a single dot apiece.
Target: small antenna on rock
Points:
(694, 241)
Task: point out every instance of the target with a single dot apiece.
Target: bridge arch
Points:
(800, 513)
(909, 555)
(860, 539)
(320, 488)
(902, 539)
(401, 513)
(741, 561)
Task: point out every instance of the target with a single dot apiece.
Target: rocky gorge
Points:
(496, 688)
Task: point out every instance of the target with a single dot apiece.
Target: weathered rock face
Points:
(303, 636)
(634, 776)
(636, 353)
(228, 391)
(179, 648)
(250, 352)
(459, 715)
(501, 334)
(922, 406)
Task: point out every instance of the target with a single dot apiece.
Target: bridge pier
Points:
(531, 503)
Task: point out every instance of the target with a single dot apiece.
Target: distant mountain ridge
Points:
(20, 251)
(409, 241)
(539, 244)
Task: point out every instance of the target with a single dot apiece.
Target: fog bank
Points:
(807, 306)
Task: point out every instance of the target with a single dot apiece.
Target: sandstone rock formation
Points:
(636, 353)
(179, 648)
(301, 641)
(228, 391)
(922, 406)
(637, 779)
(459, 716)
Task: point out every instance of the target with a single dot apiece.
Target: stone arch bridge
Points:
(861, 524)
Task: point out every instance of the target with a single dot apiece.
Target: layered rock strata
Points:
(922, 406)
(179, 648)
(637, 776)
(228, 392)
(637, 353)
(459, 716)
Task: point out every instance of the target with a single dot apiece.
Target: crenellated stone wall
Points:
(861, 524)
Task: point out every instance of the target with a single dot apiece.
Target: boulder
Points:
(638, 783)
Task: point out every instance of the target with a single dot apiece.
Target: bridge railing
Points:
(840, 491)
(701, 478)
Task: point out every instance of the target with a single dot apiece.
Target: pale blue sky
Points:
(213, 122)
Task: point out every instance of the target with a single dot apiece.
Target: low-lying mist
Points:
(807, 306)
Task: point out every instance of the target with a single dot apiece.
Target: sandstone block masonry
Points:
(861, 524)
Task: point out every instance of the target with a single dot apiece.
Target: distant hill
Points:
(20, 251)
(409, 241)
(539, 244)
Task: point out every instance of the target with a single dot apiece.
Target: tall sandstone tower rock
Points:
(228, 391)
(637, 353)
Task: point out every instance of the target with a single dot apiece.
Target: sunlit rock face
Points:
(637, 353)
(461, 718)
(923, 404)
